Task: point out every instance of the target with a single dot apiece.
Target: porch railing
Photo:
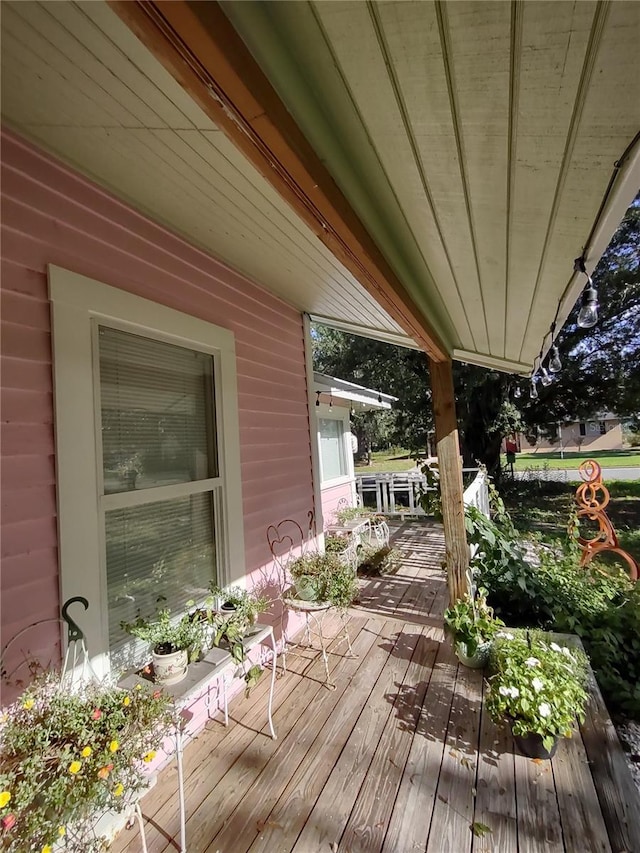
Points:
(397, 493)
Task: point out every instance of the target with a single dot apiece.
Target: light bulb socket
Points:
(544, 376)
(590, 295)
(317, 398)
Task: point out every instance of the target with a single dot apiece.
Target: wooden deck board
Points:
(398, 758)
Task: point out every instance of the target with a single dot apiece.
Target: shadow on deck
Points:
(399, 757)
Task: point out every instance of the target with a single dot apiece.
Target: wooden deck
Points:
(400, 757)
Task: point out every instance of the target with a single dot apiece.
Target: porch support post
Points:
(450, 467)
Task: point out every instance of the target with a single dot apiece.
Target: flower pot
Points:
(306, 588)
(171, 668)
(531, 745)
(476, 661)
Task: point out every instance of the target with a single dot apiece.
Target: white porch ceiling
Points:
(76, 81)
(475, 140)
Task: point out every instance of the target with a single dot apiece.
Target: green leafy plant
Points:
(336, 544)
(166, 635)
(334, 580)
(472, 622)
(428, 496)
(352, 512)
(68, 756)
(245, 603)
(379, 561)
(230, 627)
(538, 685)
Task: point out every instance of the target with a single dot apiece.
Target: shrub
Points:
(379, 561)
(601, 606)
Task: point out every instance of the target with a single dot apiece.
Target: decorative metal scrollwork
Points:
(592, 497)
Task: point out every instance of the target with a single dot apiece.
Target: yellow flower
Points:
(126, 701)
(5, 796)
(113, 746)
(86, 752)
(47, 848)
(62, 831)
(150, 756)
(118, 790)
(75, 767)
(28, 704)
(138, 686)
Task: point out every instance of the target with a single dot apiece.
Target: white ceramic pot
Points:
(171, 668)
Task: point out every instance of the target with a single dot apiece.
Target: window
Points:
(583, 428)
(332, 454)
(603, 427)
(147, 456)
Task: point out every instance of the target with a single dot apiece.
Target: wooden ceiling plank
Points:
(238, 97)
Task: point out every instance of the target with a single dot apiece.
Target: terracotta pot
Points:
(531, 745)
(476, 661)
(171, 668)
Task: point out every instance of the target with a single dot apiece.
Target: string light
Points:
(379, 397)
(318, 398)
(330, 404)
(588, 314)
(545, 378)
(517, 392)
(555, 364)
(533, 390)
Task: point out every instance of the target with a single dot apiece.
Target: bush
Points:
(379, 561)
(601, 606)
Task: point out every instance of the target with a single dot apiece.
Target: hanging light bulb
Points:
(352, 412)
(317, 398)
(379, 397)
(544, 376)
(517, 392)
(533, 390)
(330, 404)
(555, 364)
(588, 314)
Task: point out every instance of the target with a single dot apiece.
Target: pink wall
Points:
(330, 497)
(52, 215)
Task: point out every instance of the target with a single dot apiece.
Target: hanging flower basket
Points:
(67, 757)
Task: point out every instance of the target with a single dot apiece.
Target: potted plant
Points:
(539, 687)
(324, 578)
(473, 625)
(67, 756)
(173, 643)
(237, 611)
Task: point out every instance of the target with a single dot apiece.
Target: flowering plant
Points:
(66, 757)
(472, 622)
(538, 685)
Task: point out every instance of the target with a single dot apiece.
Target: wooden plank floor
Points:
(399, 757)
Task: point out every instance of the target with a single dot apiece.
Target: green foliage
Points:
(601, 606)
(429, 496)
(335, 544)
(472, 622)
(334, 579)
(229, 627)
(168, 635)
(376, 561)
(67, 756)
(537, 684)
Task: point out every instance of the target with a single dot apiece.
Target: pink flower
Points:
(97, 713)
(9, 821)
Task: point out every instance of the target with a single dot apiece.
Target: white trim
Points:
(77, 302)
(316, 469)
(503, 364)
(398, 339)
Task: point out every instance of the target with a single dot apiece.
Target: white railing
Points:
(477, 494)
(397, 494)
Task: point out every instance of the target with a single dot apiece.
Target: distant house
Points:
(601, 432)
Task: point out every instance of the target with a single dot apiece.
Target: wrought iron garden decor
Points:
(592, 497)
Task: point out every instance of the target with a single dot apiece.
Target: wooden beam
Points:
(198, 45)
(450, 467)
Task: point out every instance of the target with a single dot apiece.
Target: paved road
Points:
(570, 475)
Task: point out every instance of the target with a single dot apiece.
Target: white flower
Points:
(505, 635)
(509, 691)
(545, 710)
(556, 647)
(532, 662)
(537, 684)
(566, 652)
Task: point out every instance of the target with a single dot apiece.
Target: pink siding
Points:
(52, 215)
(330, 497)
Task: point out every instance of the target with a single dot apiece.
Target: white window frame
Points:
(78, 305)
(340, 414)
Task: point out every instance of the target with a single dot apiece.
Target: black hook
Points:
(73, 630)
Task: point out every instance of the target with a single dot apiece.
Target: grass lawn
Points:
(387, 461)
(545, 507)
(606, 458)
